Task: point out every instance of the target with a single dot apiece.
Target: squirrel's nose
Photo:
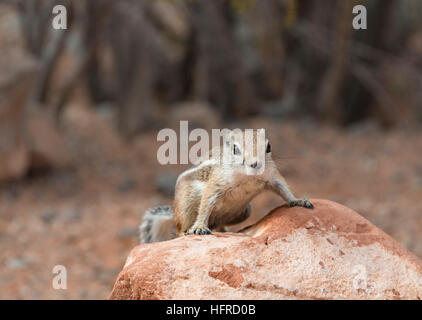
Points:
(255, 164)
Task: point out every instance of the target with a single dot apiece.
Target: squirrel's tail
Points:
(157, 225)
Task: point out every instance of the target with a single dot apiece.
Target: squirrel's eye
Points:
(236, 149)
(268, 148)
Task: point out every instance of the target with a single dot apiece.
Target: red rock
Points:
(293, 253)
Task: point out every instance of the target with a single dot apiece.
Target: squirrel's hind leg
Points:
(240, 217)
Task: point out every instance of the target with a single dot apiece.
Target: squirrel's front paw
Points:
(301, 203)
(199, 230)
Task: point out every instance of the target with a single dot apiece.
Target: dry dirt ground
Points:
(85, 218)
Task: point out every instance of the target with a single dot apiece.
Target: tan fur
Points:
(217, 193)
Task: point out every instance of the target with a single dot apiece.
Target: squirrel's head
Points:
(248, 150)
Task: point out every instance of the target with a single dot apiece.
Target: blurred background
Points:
(80, 110)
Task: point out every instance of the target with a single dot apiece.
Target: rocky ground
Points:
(86, 217)
(333, 253)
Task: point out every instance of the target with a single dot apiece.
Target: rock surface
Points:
(293, 253)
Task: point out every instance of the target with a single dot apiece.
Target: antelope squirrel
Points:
(215, 194)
